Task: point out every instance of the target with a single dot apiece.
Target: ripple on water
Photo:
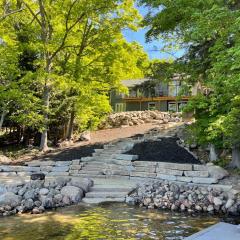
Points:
(109, 221)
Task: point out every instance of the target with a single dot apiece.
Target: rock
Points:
(30, 194)
(38, 176)
(66, 200)
(62, 181)
(217, 172)
(11, 199)
(48, 203)
(210, 208)
(37, 203)
(84, 184)
(75, 194)
(85, 136)
(229, 203)
(36, 210)
(130, 200)
(217, 201)
(4, 160)
(22, 190)
(36, 183)
(58, 198)
(28, 204)
(43, 191)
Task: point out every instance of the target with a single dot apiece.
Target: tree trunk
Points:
(44, 136)
(70, 126)
(213, 153)
(4, 113)
(235, 163)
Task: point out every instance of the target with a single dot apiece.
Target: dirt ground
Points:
(83, 149)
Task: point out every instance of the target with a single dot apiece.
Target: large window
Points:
(120, 107)
(172, 107)
(181, 106)
(173, 88)
(152, 106)
(176, 107)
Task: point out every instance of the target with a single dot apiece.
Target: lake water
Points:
(109, 221)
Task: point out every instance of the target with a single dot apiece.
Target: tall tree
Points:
(208, 30)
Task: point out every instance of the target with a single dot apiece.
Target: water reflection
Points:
(111, 221)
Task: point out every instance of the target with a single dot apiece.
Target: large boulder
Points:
(85, 136)
(75, 194)
(4, 160)
(84, 184)
(10, 199)
(216, 171)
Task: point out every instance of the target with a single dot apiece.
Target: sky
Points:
(151, 47)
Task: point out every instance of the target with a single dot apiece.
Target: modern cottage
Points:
(146, 94)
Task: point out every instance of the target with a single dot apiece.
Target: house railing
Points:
(162, 98)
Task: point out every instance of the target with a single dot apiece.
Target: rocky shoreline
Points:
(36, 196)
(186, 198)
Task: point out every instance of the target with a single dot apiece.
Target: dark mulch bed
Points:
(164, 150)
(71, 153)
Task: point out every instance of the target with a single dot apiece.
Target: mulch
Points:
(163, 150)
(71, 153)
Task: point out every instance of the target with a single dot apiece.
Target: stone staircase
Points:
(107, 162)
(109, 191)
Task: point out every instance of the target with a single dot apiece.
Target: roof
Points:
(134, 82)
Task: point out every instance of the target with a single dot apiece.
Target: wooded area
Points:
(208, 31)
(59, 59)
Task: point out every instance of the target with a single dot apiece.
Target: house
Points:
(146, 94)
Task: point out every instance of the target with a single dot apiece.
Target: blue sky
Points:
(139, 36)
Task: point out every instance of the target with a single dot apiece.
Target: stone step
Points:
(126, 157)
(106, 194)
(102, 200)
(98, 172)
(93, 168)
(82, 175)
(110, 188)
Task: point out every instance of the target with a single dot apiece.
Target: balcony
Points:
(155, 98)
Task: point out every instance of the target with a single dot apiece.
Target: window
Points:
(120, 107)
(173, 88)
(151, 106)
(181, 106)
(172, 107)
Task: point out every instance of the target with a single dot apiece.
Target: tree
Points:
(68, 54)
(208, 30)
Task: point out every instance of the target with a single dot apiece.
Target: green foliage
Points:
(60, 60)
(209, 32)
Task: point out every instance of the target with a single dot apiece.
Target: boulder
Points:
(75, 194)
(47, 203)
(38, 176)
(4, 160)
(10, 199)
(30, 194)
(216, 171)
(28, 204)
(85, 136)
(43, 191)
(84, 184)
